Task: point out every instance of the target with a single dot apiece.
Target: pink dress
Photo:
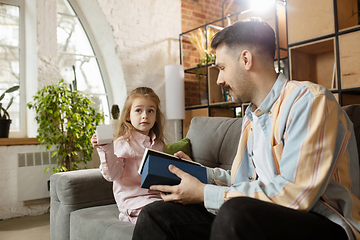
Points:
(119, 163)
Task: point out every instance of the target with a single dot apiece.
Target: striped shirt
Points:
(313, 149)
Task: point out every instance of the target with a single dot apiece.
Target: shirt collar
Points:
(139, 137)
(270, 99)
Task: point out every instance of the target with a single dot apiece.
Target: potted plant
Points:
(5, 120)
(67, 120)
(115, 113)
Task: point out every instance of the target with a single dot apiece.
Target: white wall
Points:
(143, 39)
(146, 34)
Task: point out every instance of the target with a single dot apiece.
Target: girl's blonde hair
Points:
(125, 126)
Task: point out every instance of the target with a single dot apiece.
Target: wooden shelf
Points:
(215, 92)
(349, 45)
(190, 114)
(308, 19)
(200, 70)
(195, 106)
(348, 15)
(222, 104)
(222, 112)
(18, 141)
(314, 62)
(243, 108)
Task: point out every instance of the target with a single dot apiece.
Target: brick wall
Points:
(195, 13)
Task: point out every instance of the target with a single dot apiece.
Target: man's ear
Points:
(246, 59)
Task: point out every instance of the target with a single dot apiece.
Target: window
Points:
(10, 58)
(76, 53)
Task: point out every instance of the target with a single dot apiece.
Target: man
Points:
(296, 172)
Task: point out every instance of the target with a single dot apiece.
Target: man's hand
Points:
(189, 191)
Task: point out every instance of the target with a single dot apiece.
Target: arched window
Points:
(76, 54)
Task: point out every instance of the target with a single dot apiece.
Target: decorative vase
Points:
(4, 128)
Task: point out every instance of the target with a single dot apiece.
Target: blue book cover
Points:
(154, 169)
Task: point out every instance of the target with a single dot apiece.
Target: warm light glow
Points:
(261, 5)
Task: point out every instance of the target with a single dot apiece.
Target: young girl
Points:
(141, 126)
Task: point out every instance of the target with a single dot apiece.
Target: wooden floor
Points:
(26, 228)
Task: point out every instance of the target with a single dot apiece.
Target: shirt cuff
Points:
(214, 196)
(105, 147)
(210, 175)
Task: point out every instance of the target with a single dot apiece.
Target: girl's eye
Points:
(138, 110)
(151, 111)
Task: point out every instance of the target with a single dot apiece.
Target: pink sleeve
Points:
(112, 157)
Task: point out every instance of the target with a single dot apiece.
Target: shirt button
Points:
(250, 178)
(249, 155)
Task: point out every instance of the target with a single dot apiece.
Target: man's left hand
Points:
(189, 191)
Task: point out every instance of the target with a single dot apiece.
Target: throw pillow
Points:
(182, 145)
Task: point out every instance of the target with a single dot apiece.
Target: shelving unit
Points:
(211, 100)
(314, 62)
(324, 45)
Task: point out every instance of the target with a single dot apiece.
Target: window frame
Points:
(97, 53)
(22, 66)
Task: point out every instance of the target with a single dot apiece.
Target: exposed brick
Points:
(193, 15)
(199, 15)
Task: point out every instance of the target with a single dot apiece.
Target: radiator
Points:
(32, 181)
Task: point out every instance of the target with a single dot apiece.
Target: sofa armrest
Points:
(70, 191)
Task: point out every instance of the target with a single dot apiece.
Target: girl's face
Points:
(143, 114)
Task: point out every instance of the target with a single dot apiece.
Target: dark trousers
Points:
(238, 218)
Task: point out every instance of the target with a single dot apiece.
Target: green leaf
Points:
(54, 153)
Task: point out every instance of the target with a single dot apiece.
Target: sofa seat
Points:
(99, 223)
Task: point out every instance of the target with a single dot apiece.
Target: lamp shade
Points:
(174, 92)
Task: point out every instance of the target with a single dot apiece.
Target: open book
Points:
(154, 169)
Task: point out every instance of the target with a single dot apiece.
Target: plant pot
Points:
(4, 128)
(115, 125)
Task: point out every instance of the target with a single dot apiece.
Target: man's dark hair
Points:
(251, 32)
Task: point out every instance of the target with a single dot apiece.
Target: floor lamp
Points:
(175, 98)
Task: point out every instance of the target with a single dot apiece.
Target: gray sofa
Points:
(82, 203)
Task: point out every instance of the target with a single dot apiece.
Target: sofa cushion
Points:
(99, 223)
(182, 145)
(210, 143)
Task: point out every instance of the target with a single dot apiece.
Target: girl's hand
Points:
(181, 154)
(94, 141)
